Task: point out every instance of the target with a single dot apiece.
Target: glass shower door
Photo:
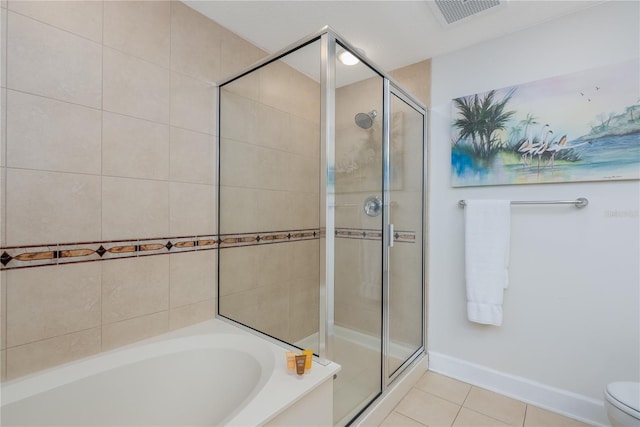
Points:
(406, 253)
(357, 340)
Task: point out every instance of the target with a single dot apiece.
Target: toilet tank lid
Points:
(627, 393)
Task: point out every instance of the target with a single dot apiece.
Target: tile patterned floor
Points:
(437, 400)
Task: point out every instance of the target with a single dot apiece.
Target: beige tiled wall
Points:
(416, 78)
(273, 288)
(108, 132)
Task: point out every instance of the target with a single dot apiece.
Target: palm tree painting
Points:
(583, 126)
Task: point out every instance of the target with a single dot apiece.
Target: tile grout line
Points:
(444, 398)
(66, 334)
(488, 416)
(457, 415)
(102, 109)
(5, 151)
(461, 406)
(171, 141)
(102, 177)
(405, 415)
(5, 116)
(467, 395)
(495, 421)
(103, 45)
(56, 27)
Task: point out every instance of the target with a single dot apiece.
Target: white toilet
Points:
(622, 400)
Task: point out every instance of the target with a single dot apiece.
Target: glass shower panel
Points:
(269, 198)
(357, 342)
(406, 299)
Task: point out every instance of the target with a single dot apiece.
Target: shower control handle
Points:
(372, 206)
(391, 237)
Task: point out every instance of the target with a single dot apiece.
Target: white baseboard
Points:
(563, 402)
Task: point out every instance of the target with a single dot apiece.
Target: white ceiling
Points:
(392, 33)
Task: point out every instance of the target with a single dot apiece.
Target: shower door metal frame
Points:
(387, 231)
(392, 88)
(327, 193)
(328, 42)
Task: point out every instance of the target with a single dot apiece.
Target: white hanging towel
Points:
(487, 228)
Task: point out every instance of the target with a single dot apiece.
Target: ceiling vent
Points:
(450, 12)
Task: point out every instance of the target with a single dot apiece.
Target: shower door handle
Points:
(391, 237)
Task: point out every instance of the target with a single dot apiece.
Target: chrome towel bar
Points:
(580, 202)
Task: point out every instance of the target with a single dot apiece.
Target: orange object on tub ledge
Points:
(299, 362)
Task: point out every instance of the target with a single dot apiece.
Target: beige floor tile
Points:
(481, 407)
(537, 417)
(469, 418)
(395, 419)
(445, 387)
(427, 408)
(496, 406)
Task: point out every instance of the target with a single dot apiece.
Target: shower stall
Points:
(321, 211)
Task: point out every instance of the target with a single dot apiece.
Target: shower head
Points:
(365, 120)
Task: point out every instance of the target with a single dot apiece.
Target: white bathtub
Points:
(207, 374)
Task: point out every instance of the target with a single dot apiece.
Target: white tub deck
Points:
(211, 373)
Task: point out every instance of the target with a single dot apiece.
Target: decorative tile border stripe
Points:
(263, 238)
(13, 257)
(359, 233)
(374, 234)
(404, 236)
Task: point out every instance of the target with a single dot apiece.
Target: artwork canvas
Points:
(583, 126)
